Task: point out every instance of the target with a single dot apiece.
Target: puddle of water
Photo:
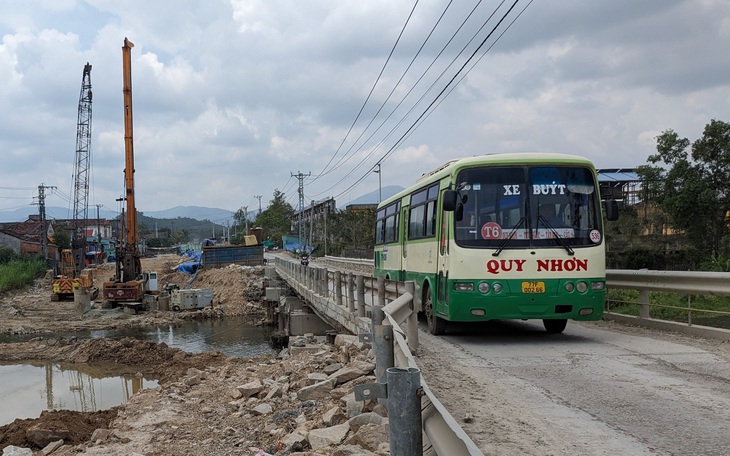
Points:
(231, 336)
(28, 389)
(236, 336)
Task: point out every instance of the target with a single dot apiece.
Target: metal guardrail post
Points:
(325, 283)
(338, 288)
(404, 411)
(377, 316)
(383, 344)
(384, 356)
(360, 296)
(644, 301)
(412, 324)
(381, 292)
(350, 293)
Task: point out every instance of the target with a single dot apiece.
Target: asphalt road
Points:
(597, 389)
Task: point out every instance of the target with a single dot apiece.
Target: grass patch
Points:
(19, 273)
(673, 307)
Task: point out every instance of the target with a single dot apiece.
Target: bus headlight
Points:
(581, 287)
(497, 287)
(464, 286)
(484, 287)
(569, 287)
(598, 286)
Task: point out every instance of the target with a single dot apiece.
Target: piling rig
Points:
(128, 284)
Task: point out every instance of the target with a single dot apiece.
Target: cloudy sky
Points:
(232, 97)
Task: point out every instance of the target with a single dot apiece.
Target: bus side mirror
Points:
(449, 200)
(611, 210)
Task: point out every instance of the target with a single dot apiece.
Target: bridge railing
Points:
(681, 295)
(382, 312)
(687, 305)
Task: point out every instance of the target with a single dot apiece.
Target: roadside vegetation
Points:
(699, 310)
(17, 272)
(680, 216)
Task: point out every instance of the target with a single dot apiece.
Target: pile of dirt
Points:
(127, 356)
(73, 428)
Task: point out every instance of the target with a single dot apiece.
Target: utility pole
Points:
(42, 213)
(98, 234)
(245, 218)
(380, 198)
(301, 177)
(311, 225)
(258, 197)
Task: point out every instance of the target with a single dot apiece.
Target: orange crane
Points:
(73, 261)
(128, 285)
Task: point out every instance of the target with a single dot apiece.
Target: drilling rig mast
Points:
(128, 284)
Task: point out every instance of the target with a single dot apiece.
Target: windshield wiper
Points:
(508, 238)
(557, 237)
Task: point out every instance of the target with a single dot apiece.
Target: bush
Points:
(7, 254)
(20, 272)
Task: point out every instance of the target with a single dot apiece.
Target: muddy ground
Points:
(237, 291)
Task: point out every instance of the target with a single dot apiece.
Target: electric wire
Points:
(372, 89)
(345, 158)
(426, 92)
(439, 96)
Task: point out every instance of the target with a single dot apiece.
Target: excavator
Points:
(128, 284)
(73, 271)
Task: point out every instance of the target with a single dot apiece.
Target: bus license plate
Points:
(533, 287)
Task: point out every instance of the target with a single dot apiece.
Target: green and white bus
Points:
(508, 236)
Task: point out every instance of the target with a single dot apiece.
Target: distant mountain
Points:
(216, 215)
(193, 212)
(52, 212)
(372, 197)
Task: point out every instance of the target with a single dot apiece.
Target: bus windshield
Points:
(527, 206)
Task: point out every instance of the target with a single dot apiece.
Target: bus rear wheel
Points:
(436, 325)
(555, 326)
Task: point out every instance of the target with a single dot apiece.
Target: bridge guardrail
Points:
(686, 283)
(344, 301)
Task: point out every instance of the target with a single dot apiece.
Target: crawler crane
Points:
(73, 261)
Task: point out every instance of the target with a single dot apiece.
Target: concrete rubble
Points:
(301, 403)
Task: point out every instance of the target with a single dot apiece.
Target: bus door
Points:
(404, 243)
(442, 277)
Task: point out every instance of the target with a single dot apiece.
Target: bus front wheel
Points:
(436, 325)
(555, 326)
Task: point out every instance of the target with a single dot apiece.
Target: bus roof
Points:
(490, 159)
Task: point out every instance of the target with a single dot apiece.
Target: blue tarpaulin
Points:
(189, 268)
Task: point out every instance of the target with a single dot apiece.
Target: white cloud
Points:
(231, 97)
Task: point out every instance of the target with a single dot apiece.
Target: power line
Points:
(372, 89)
(345, 158)
(439, 96)
(422, 97)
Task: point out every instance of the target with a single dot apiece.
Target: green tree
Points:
(275, 220)
(351, 230)
(7, 255)
(62, 239)
(690, 183)
(240, 219)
